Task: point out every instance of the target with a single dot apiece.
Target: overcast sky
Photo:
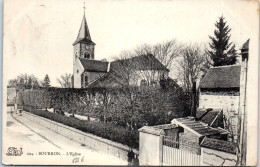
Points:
(38, 34)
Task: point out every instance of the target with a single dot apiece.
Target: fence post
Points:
(201, 156)
(161, 150)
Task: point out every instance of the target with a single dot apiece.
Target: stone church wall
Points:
(77, 75)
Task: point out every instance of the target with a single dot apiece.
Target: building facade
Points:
(88, 72)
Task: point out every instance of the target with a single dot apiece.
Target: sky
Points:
(38, 34)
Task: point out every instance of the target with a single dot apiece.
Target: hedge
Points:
(127, 107)
(105, 130)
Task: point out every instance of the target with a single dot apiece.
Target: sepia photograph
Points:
(130, 83)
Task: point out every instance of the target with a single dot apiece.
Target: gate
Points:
(180, 153)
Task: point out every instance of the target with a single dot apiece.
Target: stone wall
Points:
(225, 102)
(217, 158)
(91, 141)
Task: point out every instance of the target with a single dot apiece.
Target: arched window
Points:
(86, 55)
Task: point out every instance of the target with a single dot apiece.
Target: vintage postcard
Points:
(169, 83)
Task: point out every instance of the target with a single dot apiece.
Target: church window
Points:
(77, 71)
(86, 55)
(76, 55)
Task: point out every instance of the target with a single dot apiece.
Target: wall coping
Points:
(103, 140)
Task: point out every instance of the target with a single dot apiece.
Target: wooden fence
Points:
(179, 153)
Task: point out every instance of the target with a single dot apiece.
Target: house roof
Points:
(219, 145)
(245, 46)
(211, 117)
(197, 127)
(222, 77)
(84, 35)
(94, 65)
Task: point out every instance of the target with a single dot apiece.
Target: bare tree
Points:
(192, 66)
(65, 80)
(165, 52)
(232, 125)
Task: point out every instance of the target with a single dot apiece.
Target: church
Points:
(89, 72)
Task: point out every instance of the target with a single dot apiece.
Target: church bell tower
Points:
(83, 46)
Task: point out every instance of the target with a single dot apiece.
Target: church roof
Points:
(84, 35)
(142, 62)
(94, 65)
(222, 77)
(118, 68)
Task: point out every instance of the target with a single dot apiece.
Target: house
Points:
(11, 96)
(187, 141)
(89, 72)
(220, 88)
(224, 88)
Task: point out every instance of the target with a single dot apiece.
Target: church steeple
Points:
(83, 46)
(84, 35)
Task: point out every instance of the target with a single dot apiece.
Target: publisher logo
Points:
(13, 151)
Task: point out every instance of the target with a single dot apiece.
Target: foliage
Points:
(108, 130)
(222, 51)
(46, 81)
(24, 81)
(147, 106)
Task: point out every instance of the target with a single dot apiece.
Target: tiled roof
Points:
(84, 40)
(219, 145)
(197, 127)
(222, 77)
(142, 62)
(94, 65)
(211, 117)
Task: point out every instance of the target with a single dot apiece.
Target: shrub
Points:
(109, 131)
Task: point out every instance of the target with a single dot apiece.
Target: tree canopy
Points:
(222, 52)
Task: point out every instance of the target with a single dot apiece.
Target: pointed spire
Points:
(83, 34)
